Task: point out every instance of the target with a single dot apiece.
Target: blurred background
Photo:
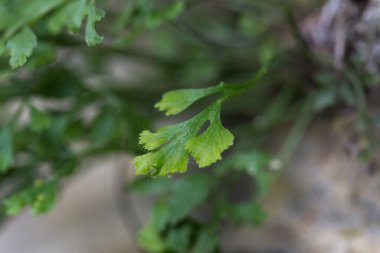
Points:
(302, 175)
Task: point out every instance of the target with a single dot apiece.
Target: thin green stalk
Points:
(297, 132)
(293, 139)
(362, 108)
(234, 90)
(303, 44)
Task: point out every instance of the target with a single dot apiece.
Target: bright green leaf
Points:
(174, 102)
(166, 161)
(207, 147)
(152, 141)
(21, 47)
(169, 149)
(170, 146)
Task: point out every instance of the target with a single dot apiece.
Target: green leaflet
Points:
(16, 16)
(41, 197)
(207, 147)
(21, 47)
(170, 146)
(93, 15)
(70, 16)
(174, 102)
(18, 39)
(29, 11)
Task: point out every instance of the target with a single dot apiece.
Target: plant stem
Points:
(297, 132)
(362, 107)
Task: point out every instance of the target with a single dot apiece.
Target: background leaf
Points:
(6, 148)
(39, 120)
(21, 47)
(93, 15)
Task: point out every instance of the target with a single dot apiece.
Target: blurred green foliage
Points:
(62, 102)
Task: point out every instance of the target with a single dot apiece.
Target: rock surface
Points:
(85, 220)
(325, 201)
